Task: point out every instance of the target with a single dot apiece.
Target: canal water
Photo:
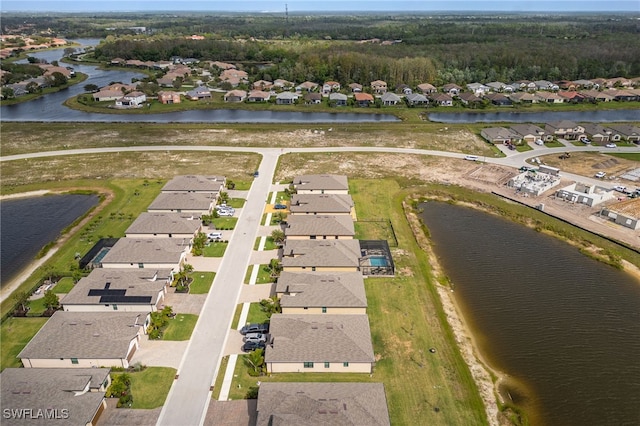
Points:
(564, 328)
(28, 224)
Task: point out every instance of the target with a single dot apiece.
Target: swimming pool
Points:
(378, 261)
(101, 254)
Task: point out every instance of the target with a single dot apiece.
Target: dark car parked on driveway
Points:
(254, 328)
(280, 206)
(252, 346)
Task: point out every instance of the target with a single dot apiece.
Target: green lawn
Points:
(215, 249)
(283, 196)
(236, 317)
(36, 307)
(264, 276)
(220, 377)
(151, 386)
(65, 285)
(236, 203)
(180, 327)
(242, 185)
(15, 333)
(225, 222)
(627, 155)
(201, 282)
(554, 144)
(269, 244)
(523, 148)
(256, 314)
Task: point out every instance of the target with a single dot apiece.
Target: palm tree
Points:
(255, 360)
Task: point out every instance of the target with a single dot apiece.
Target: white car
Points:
(215, 235)
(600, 175)
(611, 145)
(620, 188)
(539, 142)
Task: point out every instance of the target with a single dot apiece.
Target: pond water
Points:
(564, 328)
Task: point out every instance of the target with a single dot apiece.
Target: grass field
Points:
(15, 333)
(225, 222)
(150, 387)
(236, 203)
(215, 249)
(180, 327)
(201, 283)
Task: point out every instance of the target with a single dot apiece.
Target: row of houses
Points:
(564, 129)
(105, 315)
(44, 81)
(323, 326)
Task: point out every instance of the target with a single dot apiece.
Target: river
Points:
(28, 224)
(564, 328)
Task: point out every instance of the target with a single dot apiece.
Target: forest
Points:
(408, 49)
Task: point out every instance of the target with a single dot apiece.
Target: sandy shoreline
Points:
(24, 194)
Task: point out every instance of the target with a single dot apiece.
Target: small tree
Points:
(255, 361)
(224, 197)
(21, 300)
(231, 184)
(91, 88)
(271, 306)
(278, 236)
(51, 300)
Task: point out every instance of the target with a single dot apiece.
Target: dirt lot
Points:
(590, 163)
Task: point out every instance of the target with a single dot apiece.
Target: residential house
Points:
(286, 98)
(565, 129)
(307, 86)
(222, 65)
(321, 293)
(404, 89)
(571, 96)
(330, 86)
(427, 89)
(347, 404)
(195, 183)
(496, 86)
(321, 184)
(617, 82)
(262, 85)
(452, 89)
(525, 85)
(86, 340)
(122, 290)
(469, 98)
(441, 99)
(20, 89)
(378, 87)
(566, 85)
(622, 95)
(498, 99)
(258, 96)
(131, 100)
(338, 99)
(513, 87)
(148, 253)
(550, 97)
(416, 99)
(235, 95)
(320, 227)
(234, 77)
(312, 98)
(107, 95)
(168, 97)
(627, 132)
(355, 87)
(596, 133)
(166, 80)
(314, 204)
(500, 135)
(164, 225)
(319, 344)
(184, 202)
(199, 93)
(584, 84)
(530, 133)
(524, 98)
(69, 396)
(546, 85)
(594, 95)
(390, 99)
(478, 89)
(320, 255)
(283, 84)
(363, 99)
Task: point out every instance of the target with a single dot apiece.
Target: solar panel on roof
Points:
(125, 299)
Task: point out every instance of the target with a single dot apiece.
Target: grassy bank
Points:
(15, 333)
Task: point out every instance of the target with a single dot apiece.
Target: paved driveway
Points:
(160, 353)
(232, 413)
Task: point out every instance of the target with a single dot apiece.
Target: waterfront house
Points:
(320, 255)
(337, 99)
(627, 132)
(149, 253)
(584, 193)
(166, 97)
(131, 100)
(416, 99)
(314, 204)
(468, 98)
(321, 184)
(524, 98)
(86, 340)
(258, 96)
(164, 225)
(565, 129)
(320, 227)
(596, 133)
(500, 135)
(197, 204)
(319, 344)
(530, 133)
(390, 99)
(312, 98)
(441, 99)
(209, 184)
(363, 99)
(199, 93)
(624, 213)
(286, 98)
(235, 95)
(549, 97)
(498, 99)
(105, 95)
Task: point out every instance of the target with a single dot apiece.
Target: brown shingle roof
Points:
(192, 183)
(316, 289)
(147, 250)
(164, 223)
(321, 203)
(321, 253)
(318, 182)
(182, 201)
(320, 225)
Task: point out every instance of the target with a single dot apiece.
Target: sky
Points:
(295, 6)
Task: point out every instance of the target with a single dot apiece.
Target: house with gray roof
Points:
(314, 204)
(496, 86)
(597, 133)
(286, 98)
(321, 293)
(150, 253)
(478, 89)
(417, 99)
(86, 340)
(500, 135)
(337, 99)
(199, 93)
(530, 132)
(469, 98)
(319, 343)
(195, 184)
(390, 99)
(565, 129)
(55, 396)
(320, 404)
(627, 132)
(320, 255)
(183, 202)
(524, 98)
(122, 290)
(320, 227)
(321, 184)
(164, 225)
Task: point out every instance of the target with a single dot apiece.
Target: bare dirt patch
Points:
(589, 163)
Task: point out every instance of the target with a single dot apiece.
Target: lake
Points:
(564, 328)
(28, 224)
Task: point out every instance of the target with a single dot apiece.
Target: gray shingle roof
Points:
(195, 183)
(527, 129)
(328, 225)
(101, 335)
(321, 203)
(316, 289)
(163, 223)
(147, 250)
(321, 404)
(322, 253)
(182, 201)
(317, 182)
(320, 338)
(134, 282)
(52, 388)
